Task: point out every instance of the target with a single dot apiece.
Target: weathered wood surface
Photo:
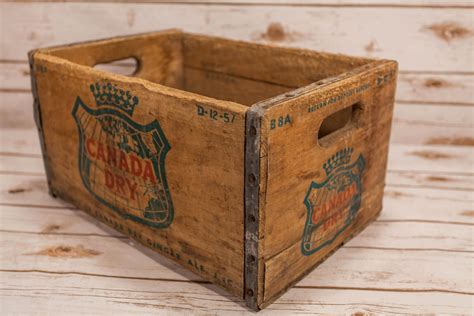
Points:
(427, 217)
(435, 59)
(416, 258)
(367, 31)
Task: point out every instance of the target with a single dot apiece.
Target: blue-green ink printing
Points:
(111, 124)
(340, 192)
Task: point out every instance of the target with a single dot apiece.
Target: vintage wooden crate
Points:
(248, 164)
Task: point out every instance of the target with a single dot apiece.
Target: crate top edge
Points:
(185, 34)
(111, 39)
(258, 108)
(150, 86)
(261, 107)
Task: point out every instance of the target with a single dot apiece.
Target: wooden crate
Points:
(248, 164)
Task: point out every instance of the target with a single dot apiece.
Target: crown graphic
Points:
(340, 158)
(108, 94)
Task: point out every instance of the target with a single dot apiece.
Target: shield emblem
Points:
(332, 204)
(122, 163)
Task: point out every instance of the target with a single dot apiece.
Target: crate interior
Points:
(223, 69)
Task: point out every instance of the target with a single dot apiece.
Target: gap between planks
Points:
(206, 282)
(138, 297)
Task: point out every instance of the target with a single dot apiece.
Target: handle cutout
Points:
(126, 67)
(341, 120)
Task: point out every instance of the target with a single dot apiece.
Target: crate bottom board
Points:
(354, 233)
(130, 233)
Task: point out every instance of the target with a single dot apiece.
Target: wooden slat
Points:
(403, 270)
(383, 268)
(426, 205)
(386, 252)
(425, 124)
(16, 110)
(89, 254)
(369, 262)
(412, 87)
(374, 32)
(20, 141)
(435, 159)
(355, 3)
(384, 262)
(435, 88)
(428, 179)
(71, 293)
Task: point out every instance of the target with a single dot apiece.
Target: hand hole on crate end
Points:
(126, 66)
(335, 124)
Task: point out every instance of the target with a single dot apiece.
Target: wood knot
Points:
(50, 228)
(468, 213)
(63, 251)
(458, 141)
(275, 32)
(437, 179)
(432, 155)
(372, 47)
(449, 31)
(435, 83)
(18, 190)
(395, 194)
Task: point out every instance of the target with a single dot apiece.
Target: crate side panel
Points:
(229, 87)
(320, 192)
(170, 174)
(158, 55)
(288, 67)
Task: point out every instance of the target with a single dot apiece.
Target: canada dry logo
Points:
(333, 203)
(121, 162)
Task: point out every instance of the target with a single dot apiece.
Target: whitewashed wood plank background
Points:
(432, 40)
(416, 258)
(418, 38)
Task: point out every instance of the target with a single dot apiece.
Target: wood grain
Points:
(340, 270)
(339, 279)
(175, 110)
(412, 259)
(371, 32)
(116, 295)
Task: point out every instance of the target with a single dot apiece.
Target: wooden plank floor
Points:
(416, 258)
